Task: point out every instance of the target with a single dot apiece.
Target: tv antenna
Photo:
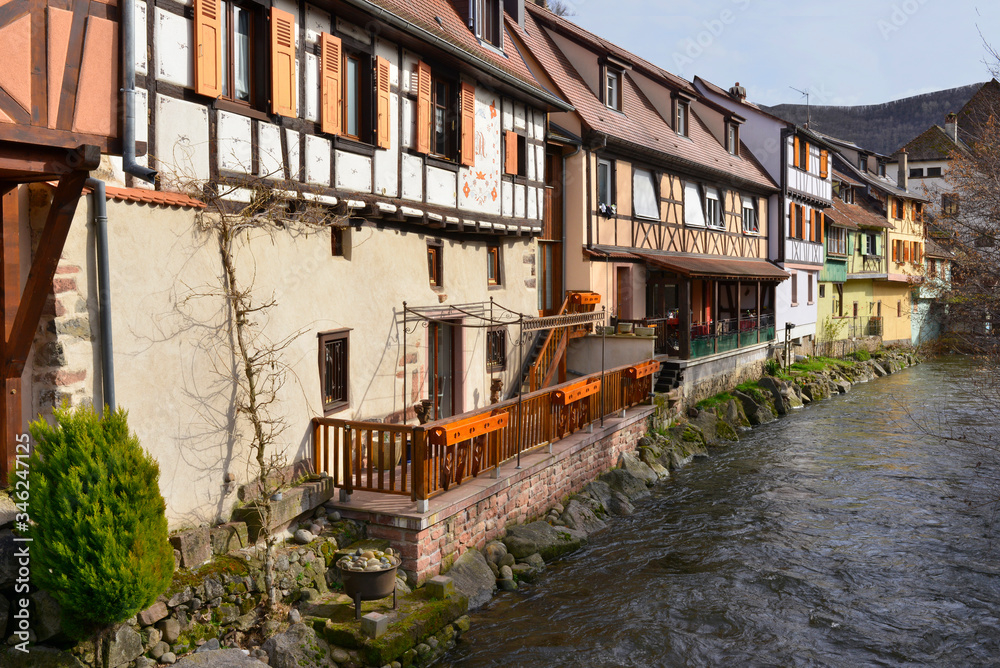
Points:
(806, 95)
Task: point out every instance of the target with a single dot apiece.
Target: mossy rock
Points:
(188, 640)
(418, 617)
(345, 532)
(220, 565)
(725, 431)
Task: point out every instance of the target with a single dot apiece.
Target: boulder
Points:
(630, 462)
(39, 657)
(473, 577)
(777, 390)
(153, 614)
(495, 551)
(195, 546)
(622, 481)
(228, 537)
(298, 647)
(649, 457)
(303, 536)
(757, 414)
(8, 563)
(223, 658)
(47, 619)
(543, 538)
(171, 629)
(126, 646)
(581, 516)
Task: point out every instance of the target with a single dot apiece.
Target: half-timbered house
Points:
(417, 129)
(665, 210)
(799, 161)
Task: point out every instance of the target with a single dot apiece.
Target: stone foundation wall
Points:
(428, 552)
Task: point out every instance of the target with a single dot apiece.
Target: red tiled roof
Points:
(453, 28)
(152, 197)
(857, 215)
(641, 124)
(716, 267)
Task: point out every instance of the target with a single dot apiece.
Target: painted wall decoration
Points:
(480, 184)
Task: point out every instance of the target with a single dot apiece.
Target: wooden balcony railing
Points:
(423, 461)
(545, 367)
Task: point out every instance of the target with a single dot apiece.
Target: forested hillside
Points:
(880, 127)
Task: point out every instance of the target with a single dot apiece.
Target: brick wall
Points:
(515, 500)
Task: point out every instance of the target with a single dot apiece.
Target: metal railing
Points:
(410, 460)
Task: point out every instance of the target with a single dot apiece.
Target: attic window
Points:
(881, 168)
(487, 21)
(612, 88)
(733, 139)
(863, 163)
(681, 117)
(848, 195)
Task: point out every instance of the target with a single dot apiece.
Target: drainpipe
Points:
(129, 165)
(104, 290)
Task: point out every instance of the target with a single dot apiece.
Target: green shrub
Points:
(772, 367)
(100, 544)
(861, 355)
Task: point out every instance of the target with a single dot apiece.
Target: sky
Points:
(845, 52)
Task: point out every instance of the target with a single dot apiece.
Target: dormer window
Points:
(613, 89)
(487, 21)
(681, 118)
(881, 168)
(862, 163)
(847, 194)
(733, 138)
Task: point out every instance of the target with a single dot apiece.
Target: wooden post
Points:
(684, 319)
(10, 289)
(715, 316)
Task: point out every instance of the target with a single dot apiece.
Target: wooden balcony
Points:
(424, 461)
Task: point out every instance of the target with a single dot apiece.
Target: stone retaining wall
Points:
(427, 551)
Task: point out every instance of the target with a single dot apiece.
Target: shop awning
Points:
(716, 268)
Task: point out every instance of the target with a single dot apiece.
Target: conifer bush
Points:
(100, 545)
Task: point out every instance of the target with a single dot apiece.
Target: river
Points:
(835, 536)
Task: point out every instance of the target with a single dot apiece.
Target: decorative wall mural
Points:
(481, 182)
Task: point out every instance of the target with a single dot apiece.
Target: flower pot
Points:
(645, 331)
(625, 328)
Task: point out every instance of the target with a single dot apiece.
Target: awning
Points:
(716, 267)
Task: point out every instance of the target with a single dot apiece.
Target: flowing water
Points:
(836, 536)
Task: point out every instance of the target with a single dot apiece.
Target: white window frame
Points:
(871, 245)
(601, 162)
(749, 205)
(694, 209)
(733, 139)
(652, 199)
(836, 240)
(681, 118)
(714, 216)
(612, 93)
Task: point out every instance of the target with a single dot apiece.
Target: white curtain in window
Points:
(644, 194)
(693, 212)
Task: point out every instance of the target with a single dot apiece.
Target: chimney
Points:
(516, 10)
(951, 126)
(739, 92)
(902, 170)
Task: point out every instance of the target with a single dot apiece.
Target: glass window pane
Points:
(225, 48)
(352, 98)
(241, 54)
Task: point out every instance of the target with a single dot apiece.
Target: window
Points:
(352, 96)
(847, 194)
(605, 186)
(795, 289)
(750, 221)
(645, 201)
(442, 119)
(855, 310)
(694, 210)
(713, 209)
(733, 139)
(917, 173)
(681, 118)
(838, 305)
(612, 88)
(334, 370)
(871, 243)
(809, 283)
(493, 276)
(338, 237)
(863, 163)
(434, 264)
(881, 168)
(237, 52)
(897, 208)
(931, 267)
(899, 309)
(822, 291)
(489, 22)
(804, 155)
(496, 349)
(836, 241)
(949, 204)
(918, 212)
(933, 172)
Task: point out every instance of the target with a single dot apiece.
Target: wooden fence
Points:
(423, 461)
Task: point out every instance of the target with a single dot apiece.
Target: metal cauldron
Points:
(369, 586)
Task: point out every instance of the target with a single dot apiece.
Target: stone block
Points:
(195, 546)
(229, 537)
(153, 614)
(374, 624)
(440, 586)
(126, 646)
(304, 498)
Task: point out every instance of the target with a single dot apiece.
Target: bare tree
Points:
(561, 8)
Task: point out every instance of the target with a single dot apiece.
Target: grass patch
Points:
(712, 402)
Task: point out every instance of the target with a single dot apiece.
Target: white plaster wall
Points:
(507, 196)
(174, 37)
(317, 21)
(234, 151)
(139, 24)
(168, 355)
(311, 102)
(317, 160)
(442, 187)
(270, 162)
(182, 141)
(480, 184)
(353, 172)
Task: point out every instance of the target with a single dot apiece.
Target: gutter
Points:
(104, 291)
(129, 165)
(443, 44)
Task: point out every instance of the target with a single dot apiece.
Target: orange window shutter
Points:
(330, 67)
(806, 165)
(824, 163)
(383, 99)
(906, 251)
(822, 226)
(283, 92)
(510, 152)
(796, 153)
(468, 153)
(208, 45)
(423, 107)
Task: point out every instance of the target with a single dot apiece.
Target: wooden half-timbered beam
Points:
(10, 292)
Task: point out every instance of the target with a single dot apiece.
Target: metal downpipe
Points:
(104, 291)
